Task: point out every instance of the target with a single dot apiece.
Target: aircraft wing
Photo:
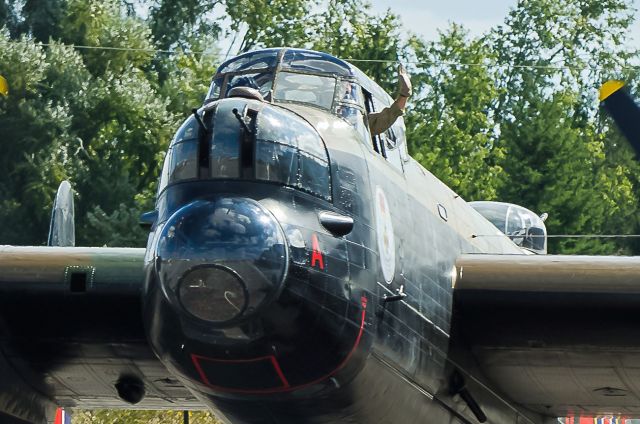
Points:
(559, 335)
(71, 327)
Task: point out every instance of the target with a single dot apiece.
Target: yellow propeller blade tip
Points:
(610, 87)
(4, 86)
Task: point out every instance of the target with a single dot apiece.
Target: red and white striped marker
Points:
(62, 417)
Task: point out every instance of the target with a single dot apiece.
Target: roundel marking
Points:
(386, 241)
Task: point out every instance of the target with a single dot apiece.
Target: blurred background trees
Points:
(98, 88)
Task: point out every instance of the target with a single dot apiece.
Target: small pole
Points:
(185, 416)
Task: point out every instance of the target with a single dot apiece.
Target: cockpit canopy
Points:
(524, 228)
(286, 74)
(298, 76)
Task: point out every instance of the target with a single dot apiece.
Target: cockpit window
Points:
(258, 60)
(297, 76)
(262, 82)
(349, 92)
(215, 88)
(314, 62)
(303, 88)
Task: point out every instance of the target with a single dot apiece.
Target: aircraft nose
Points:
(221, 260)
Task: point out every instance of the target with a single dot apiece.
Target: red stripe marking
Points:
(276, 366)
(196, 362)
(286, 387)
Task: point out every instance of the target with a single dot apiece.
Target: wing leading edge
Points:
(71, 327)
(559, 335)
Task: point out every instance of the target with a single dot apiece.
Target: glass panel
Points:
(276, 162)
(262, 82)
(514, 222)
(188, 131)
(274, 126)
(311, 89)
(233, 234)
(314, 62)
(214, 89)
(225, 158)
(351, 114)
(284, 128)
(314, 175)
(399, 131)
(258, 60)
(184, 161)
(349, 92)
(225, 148)
(523, 227)
(494, 212)
(309, 142)
(164, 177)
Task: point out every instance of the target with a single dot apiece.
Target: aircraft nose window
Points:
(289, 151)
(262, 82)
(302, 88)
(181, 160)
(214, 89)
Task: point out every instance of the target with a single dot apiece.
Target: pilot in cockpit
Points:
(312, 79)
(379, 122)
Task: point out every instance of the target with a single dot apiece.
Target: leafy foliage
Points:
(349, 30)
(269, 22)
(451, 131)
(175, 23)
(485, 125)
(545, 114)
(96, 118)
(141, 417)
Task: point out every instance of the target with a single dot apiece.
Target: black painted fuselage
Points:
(301, 271)
(298, 270)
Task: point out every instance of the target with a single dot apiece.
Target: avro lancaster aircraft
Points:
(299, 270)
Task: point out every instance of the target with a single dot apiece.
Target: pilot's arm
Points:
(379, 122)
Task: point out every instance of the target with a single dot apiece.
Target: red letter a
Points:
(316, 255)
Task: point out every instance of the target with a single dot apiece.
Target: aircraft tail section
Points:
(62, 228)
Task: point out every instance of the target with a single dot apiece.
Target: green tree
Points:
(43, 18)
(39, 147)
(555, 157)
(97, 118)
(189, 76)
(450, 129)
(269, 23)
(9, 18)
(349, 30)
(176, 23)
(122, 42)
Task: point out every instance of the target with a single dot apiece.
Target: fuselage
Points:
(302, 271)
